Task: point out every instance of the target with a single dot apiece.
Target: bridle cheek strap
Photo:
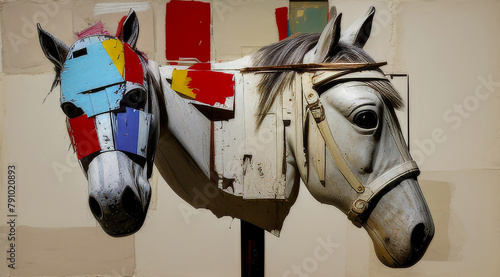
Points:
(315, 108)
(366, 193)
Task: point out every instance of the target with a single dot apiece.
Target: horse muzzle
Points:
(119, 193)
(400, 225)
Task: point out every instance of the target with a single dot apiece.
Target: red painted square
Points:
(133, 65)
(211, 87)
(282, 22)
(188, 30)
(83, 135)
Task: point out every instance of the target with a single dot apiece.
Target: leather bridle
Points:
(314, 108)
(320, 75)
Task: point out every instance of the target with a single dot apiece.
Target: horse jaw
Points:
(400, 225)
(119, 193)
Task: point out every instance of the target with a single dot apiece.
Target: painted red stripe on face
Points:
(133, 66)
(211, 87)
(83, 135)
(282, 22)
(187, 29)
(120, 28)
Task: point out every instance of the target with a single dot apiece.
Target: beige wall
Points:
(450, 49)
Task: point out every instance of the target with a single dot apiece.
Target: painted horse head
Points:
(108, 95)
(353, 155)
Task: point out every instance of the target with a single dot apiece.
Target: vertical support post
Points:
(252, 250)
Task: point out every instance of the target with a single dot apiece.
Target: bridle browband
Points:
(325, 74)
(313, 67)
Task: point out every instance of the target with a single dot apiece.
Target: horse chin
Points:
(119, 193)
(400, 225)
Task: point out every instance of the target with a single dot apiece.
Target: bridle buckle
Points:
(359, 206)
(317, 109)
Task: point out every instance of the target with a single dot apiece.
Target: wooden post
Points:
(252, 250)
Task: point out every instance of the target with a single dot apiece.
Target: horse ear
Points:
(333, 13)
(329, 38)
(129, 31)
(54, 49)
(359, 32)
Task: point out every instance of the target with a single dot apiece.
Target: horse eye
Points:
(71, 110)
(366, 119)
(134, 99)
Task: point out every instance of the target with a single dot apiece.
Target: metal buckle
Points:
(359, 206)
(317, 111)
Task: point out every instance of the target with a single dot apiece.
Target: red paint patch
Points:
(133, 65)
(211, 87)
(120, 28)
(187, 29)
(83, 135)
(201, 66)
(282, 22)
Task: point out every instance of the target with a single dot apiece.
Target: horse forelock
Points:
(292, 51)
(346, 53)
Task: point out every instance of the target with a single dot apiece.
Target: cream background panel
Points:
(243, 26)
(19, 47)
(52, 189)
(72, 251)
(447, 48)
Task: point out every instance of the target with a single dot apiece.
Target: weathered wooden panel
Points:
(188, 125)
(263, 161)
(230, 144)
(244, 160)
(105, 132)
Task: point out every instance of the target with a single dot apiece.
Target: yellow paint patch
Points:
(114, 48)
(180, 83)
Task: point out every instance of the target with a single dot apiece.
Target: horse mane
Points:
(158, 99)
(292, 51)
(288, 51)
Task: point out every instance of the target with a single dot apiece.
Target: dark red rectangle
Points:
(83, 135)
(187, 30)
(211, 87)
(282, 22)
(133, 66)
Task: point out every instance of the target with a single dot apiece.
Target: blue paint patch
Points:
(88, 72)
(127, 131)
(101, 101)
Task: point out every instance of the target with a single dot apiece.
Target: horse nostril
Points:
(418, 235)
(131, 203)
(95, 208)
